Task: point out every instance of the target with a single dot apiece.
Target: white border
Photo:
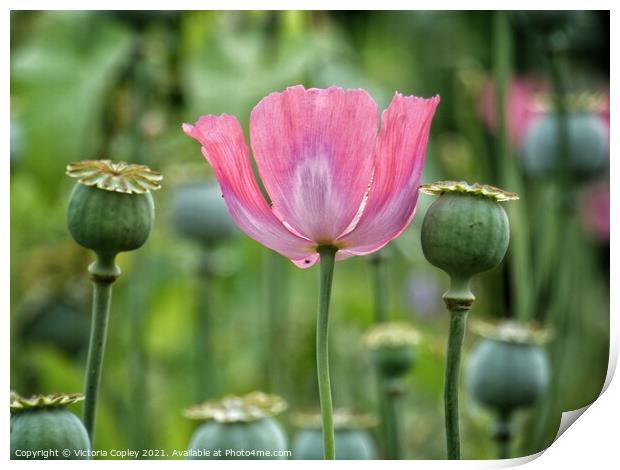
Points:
(593, 441)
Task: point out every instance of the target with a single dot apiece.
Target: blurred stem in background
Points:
(206, 385)
(390, 436)
(138, 364)
(503, 435)
(389, 418)
(562, 167)
(328, 259)
(277, 293)
(510, 178)
(140, 86)
(378, 263)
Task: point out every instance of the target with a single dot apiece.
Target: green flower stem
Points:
(328, 258)
(383, 424)
(458, 299)
(458, 320)
(205, 373)
(103, 273)
(502, 435)
(392, 436)
(379, 273)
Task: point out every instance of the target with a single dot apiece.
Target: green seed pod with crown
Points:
(111, 207)
(464, 232)
(392, 346)
(393, 350)
(111, 210)
(41, 427)
(239, 427)
(509, 368)
(353, 439)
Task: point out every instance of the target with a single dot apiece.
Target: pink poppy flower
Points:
(331, 177)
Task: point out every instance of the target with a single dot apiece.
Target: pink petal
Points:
(314, 151)
(223, 145)
(306, 262)
(400, 154)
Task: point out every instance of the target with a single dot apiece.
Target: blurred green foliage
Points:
(117, 85)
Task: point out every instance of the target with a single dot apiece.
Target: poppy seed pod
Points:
(199, 213)
(394, 361)
(41, 427)
(508, 369)
(353, 439)
(588, 145)
(392, 346)
(465, 231)
(111, 209)
(239, 427)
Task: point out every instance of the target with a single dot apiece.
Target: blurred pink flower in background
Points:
(604, 111)
(594, 210)
(522, 109)
(332, 179)
(534, 129)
